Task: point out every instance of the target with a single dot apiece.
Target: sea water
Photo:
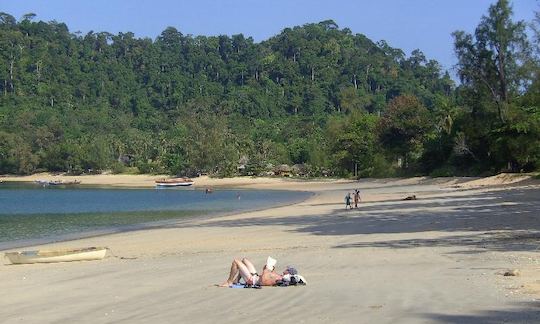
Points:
(35, 214)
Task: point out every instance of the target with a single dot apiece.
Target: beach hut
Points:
(283, 170)
(300, 169)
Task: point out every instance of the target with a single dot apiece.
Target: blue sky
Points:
(405, 24)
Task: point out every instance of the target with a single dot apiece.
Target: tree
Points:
(354, 143)
(183, 103)
(495, 68)
(490, 60)
(403, 127)
(7, 20)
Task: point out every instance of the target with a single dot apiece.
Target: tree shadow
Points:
(509, 218)
(497, 241)
(528, 312)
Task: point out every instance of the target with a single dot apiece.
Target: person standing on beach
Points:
(356, 197)
(348, 200)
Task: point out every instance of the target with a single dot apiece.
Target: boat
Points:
(175, 182)
(63, 183)
(57, 182)
(50, 256)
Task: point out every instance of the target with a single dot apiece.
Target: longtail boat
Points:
(50, 256)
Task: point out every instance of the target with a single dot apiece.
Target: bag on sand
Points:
(292, 278)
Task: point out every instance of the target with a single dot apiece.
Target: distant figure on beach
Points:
(208, 191)
(348, 200)
(356, 197)
(246, 270)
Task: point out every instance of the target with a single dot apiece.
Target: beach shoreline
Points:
(437, 258)
(148, 181)
(78, 236)
(281, 183)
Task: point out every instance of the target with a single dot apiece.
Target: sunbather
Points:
(246, 270)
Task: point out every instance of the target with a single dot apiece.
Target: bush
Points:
(118, 167)
(149, 167)
(444, 171)
(381, 167)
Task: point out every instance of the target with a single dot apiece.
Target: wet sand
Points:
(439, 258)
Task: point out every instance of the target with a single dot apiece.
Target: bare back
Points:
(269, 278)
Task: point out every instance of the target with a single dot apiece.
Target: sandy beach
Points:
(437, 259)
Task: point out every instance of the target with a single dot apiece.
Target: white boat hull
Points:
(43, 256)
(174, 184)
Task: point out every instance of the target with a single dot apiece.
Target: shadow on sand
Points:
(509, 220)
(521, 313)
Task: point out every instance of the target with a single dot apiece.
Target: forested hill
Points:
(331, 101)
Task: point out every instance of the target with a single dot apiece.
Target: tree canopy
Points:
(333, 102)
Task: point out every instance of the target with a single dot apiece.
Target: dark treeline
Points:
(323, 98)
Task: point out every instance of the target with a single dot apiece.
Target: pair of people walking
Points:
(355, 197)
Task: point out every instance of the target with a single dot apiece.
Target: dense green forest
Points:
(316, 96)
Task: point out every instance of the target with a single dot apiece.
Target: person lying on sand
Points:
(246, 270)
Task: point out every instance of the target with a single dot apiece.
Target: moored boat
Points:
(63, 183)
(57, 182)
(50, 256)
(174, 182)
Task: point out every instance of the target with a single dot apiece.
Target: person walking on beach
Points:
(356, 198)
(348, 200)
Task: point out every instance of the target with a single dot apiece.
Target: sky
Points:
(406, 24)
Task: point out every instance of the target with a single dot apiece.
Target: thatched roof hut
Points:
(283, 170)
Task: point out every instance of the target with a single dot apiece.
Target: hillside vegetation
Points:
(323, 98)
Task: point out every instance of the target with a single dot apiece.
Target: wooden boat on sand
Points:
(50, 256)
(174, 182)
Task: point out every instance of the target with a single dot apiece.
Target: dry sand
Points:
(436, 259)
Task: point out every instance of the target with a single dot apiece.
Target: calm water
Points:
(32, 214)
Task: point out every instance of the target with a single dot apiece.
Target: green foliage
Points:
(118, 168)
(354, 144)
(518, 142)
(496, 67)
(16, 155)
(403, 128)
(333, 102)
(445, 171)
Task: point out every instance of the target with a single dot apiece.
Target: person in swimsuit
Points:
(246, 270)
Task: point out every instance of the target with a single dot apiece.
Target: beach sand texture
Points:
(440, 258)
